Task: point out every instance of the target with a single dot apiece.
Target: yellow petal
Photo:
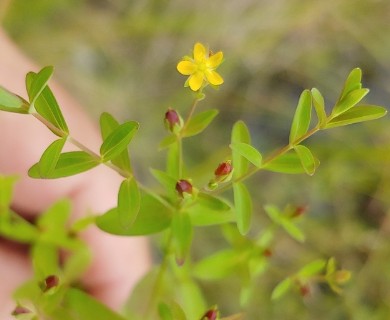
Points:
(186, 67)
(199, 52)
(215, 60)
(196, 81)
(214, 78)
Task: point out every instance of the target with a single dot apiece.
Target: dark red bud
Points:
(224, 169)
(183, 186)
(51, 282)
(210, 315)
(299, 211)
(304, 290)
(172, 118)
(20, 310)
(267, 253)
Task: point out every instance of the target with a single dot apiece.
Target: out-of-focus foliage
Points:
(120, 56)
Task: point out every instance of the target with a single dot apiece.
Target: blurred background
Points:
(120, 56)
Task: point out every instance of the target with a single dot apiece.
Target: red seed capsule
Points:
(172, 120)
(224, 169)
(51, 282)
(211, 314)
(20, 310)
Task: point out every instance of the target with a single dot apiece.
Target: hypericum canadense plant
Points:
(170, 290)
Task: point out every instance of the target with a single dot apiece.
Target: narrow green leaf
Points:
(319, 106)
(55, 218)
(274, 214)
(167, 181)
(286, 163)
(12, 103)
(107, 125)
(39, 83)
(45, 260)
(167, 141)
(292, 230)
(153, 217)
(357, 114)
(211, 202)
(171, 311)
(17, 229)
(248, 152)
(243, 206)
(352, 83)
(118, 140)
(202, 215)
(349, 101)
(199, 122)
(313, 268)
(240, 134)
(281, 289)
(129, 201)
(182, 235)
(308, 161)
(217, 266)
(84, 306)
(68, 164)
(6, 191)
(301, 120)
(46, 105)
(50, 157)
(77, 263)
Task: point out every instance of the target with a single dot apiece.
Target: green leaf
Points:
(292, 230)
(352, 83)
(274, 214)
(39, 82)
(6, 190)
(107, 125)
(153, 217)
(83, 306)
(167, 141)
(17, 229)
(182, 235)
(287, 163)
(118, 140)
(349, 101)
(357, 114)
(45, 260)
(199, 122)
(281, 289)
(240, 134)
(12, 103)
(46, 105)
(313, 268)
(129, 201)
(55, 218)
(217, 266)
(319, 106)
(211, 202)
(77, 263)
(308, 161)
(50, 157)
(202, 215)
(167, 181)
(243, 206)
(248, 152)
(301, 120)
(171, 311)
(69, 163)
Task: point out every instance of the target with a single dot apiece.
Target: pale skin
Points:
(118, 262)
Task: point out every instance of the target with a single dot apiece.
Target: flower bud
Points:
(211, 314)
(304, 290)
(50, 282)
(299, 211)
(184, 188)
(224, 169)
(19, 310)
(173, 121)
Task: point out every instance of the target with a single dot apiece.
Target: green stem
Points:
(157, 286)
(267, 161)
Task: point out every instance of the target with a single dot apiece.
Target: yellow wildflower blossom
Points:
(201, 68)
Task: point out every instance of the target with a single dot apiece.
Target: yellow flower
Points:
(201, 68)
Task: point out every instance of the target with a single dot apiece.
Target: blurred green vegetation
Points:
(121, 55)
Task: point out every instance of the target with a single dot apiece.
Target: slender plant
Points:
(170, 291)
